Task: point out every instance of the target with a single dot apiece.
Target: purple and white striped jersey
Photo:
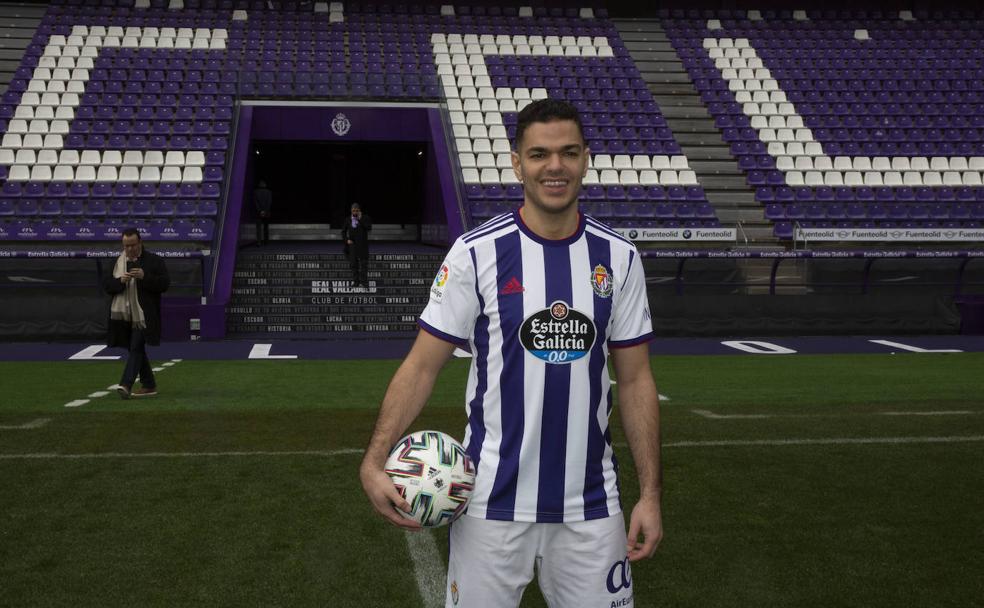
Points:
(539, 317)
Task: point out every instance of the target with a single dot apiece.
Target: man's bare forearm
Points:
(406, 395)
(638, 402)
(639, 407)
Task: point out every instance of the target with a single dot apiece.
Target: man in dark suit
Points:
(263, 201)
(355, 234)
(138, 279)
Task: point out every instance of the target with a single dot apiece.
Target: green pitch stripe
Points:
(671, 444)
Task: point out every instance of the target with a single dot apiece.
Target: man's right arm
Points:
(113, 285)
(405, 397)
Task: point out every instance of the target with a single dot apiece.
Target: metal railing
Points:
(956, 282)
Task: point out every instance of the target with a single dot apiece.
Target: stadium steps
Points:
(20, 21)
(311, 294)
(693, 128)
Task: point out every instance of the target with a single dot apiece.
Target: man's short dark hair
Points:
(132, 232)
(546, 110)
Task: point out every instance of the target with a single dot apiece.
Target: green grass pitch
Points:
(789, 481)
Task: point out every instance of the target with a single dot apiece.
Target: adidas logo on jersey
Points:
(513, 286)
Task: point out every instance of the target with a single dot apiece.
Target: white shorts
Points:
(579, 564)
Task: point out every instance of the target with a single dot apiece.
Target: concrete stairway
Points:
(709, 156)
(311, 295)
(18, 22)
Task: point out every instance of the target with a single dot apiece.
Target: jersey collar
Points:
(550, 242)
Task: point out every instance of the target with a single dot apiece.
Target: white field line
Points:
(91, 353)
(262, 351)
(112, 388)
(713, 416)
(940, 413)
(716, 416)
(352, 451)
(431, 577)
(826, 441)
(27, 426)
(914, 349)
(179, 455)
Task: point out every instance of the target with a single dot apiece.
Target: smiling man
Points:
(541, 297)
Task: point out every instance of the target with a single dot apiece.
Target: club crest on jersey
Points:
(440, 281)
(602, 281)
(558, 334)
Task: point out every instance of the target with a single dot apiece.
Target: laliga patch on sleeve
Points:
(440, 282)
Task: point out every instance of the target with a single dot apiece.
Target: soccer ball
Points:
(434, 474)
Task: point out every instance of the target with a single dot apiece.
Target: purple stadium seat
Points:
(623, 211)
(663, 210)
(141, 208)
(795, 211)
(959, 211)
(474, 191)
(201, 230)
(494, 192)
(207, 208)
(49, 208)
(27, 207)
(877, 211)
(12, 189)
(186, 208)
(118, 208)
(684, 210)
(514, 192)
(615, 193)
(775, 211)
(676, 193)
(785, 194)
(644, 210)
(480, 211)
(57, 190)
(603, 210)
(705, 210)
(593, 192)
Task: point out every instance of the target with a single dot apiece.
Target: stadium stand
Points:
(846, 119)
(126, 113)
(122, 113)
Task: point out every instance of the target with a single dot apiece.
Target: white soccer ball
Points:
(434, 474)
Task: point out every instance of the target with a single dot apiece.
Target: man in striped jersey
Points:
(540, 297)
